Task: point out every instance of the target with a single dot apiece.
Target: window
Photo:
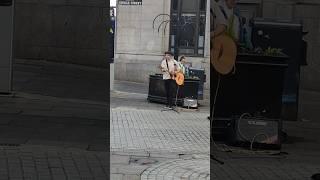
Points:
(187, 29)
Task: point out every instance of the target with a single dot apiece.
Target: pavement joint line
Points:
(43, 62)
(131, 93)
(57, 99)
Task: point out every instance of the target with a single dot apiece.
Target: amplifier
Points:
(220, 128)
(256, 131)
(190, 103)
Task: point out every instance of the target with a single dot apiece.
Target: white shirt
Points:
(221, 19)
(165, 69)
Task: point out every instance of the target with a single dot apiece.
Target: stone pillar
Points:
(206, 59)
(6, 35)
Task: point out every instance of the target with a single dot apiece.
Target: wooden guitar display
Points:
(223, 54)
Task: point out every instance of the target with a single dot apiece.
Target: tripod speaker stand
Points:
(223, 53)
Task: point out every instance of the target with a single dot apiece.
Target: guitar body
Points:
(179, 77)
(223, 54)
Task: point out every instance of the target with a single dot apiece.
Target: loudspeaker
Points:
(220, 128)
(190, 103)
(255, 87)
(256, 131)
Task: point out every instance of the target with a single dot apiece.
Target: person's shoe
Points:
(166, 107)
(170, 108)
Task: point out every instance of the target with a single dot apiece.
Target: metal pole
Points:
(111, 65)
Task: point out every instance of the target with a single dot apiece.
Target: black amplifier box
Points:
(255, 132)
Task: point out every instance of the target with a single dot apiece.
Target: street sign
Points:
(130, 2)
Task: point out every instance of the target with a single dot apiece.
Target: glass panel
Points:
(202, 25)
(172, 40)
(201, 41)
(174, 23)
(175, 5)
(203, 4)
(190, 5)
(185, 14)
(187, 30)
(200, 51)
(202, 30)
(186, 51)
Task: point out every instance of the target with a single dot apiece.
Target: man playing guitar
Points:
(169, 68)
(224, 20)
(224, 36)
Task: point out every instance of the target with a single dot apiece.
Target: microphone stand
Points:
(212, 157)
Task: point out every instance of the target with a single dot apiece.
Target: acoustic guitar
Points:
(178, 77)
(223, 54)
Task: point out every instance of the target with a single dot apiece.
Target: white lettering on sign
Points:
(130, 2)
(259, 123)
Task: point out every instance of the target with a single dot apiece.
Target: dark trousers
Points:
(170, 85)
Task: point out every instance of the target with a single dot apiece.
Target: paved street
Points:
(149, 144)
(59, 131)
(152, 130)
(62, 108)
(51, 163)
(55, 124)
(299, 157)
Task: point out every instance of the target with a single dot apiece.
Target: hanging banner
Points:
(130, 2)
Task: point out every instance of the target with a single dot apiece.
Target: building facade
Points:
(68, 31)
(146, 29)
(75, 32)
(141, 39)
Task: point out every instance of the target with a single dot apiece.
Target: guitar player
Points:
(169, 66)
(224, 19)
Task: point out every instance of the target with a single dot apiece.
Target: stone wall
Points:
(70, 31)
(139, 46)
